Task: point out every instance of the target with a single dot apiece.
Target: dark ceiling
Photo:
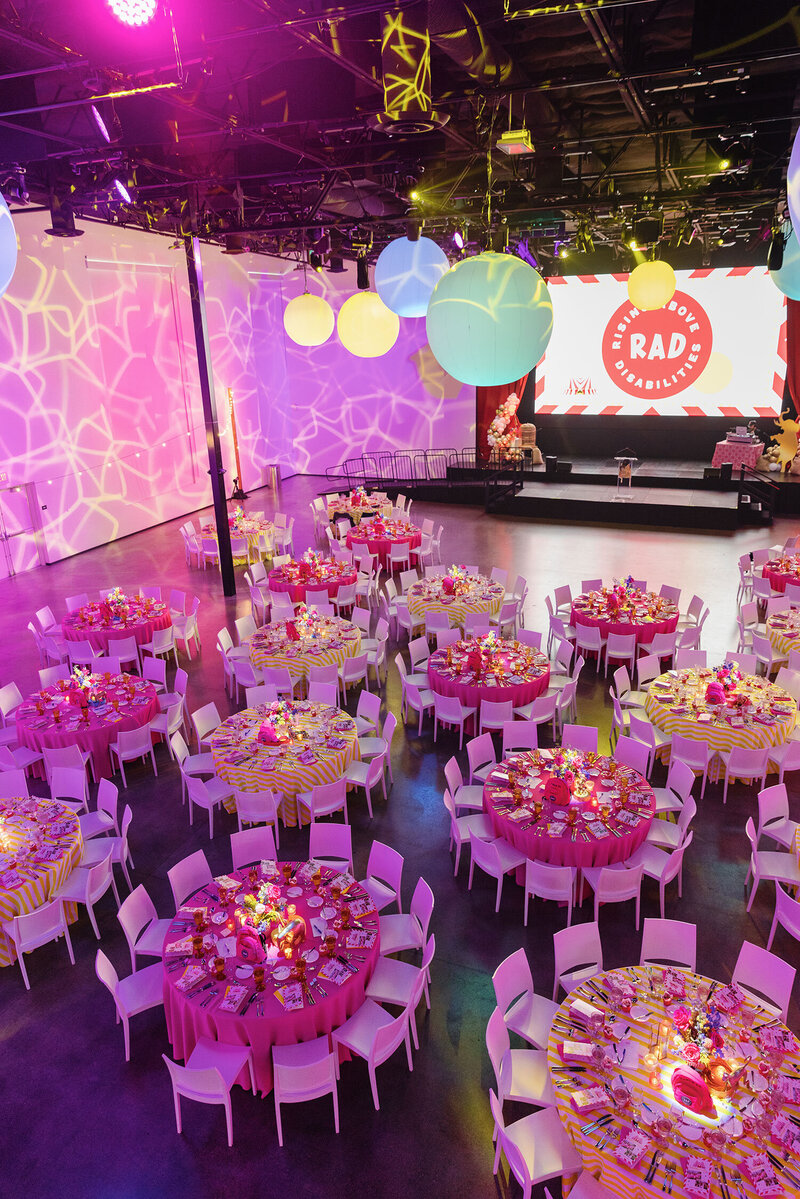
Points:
(326, 128)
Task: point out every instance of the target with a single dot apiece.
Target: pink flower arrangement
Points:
(681, 1017)
(691, 1053)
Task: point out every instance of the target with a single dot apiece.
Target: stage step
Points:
(600, 504)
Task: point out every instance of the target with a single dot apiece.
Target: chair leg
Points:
(499, 892)
(93, 919)
(229, 1119)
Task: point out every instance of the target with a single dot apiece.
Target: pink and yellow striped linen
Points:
(323, 641)
(784, 632)
(242, 762)
(32, 830)
(472, 594)
(250, 527)
(357, 510)
(648, 1104)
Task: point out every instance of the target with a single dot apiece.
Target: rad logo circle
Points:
(657, 353)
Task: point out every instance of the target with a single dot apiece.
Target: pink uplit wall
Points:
(99, 398)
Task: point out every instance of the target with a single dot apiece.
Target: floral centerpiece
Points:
(235, 521)
(453, 583)
(275, 729)
(86, 691)
(701, 1045)
(722, 687)
(358, 498)
(114, 606)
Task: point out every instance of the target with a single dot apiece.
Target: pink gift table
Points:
(297, 578)
(524, 672)
(738, 453)
(39, 730)
(261, 1020)
(613, 808)
(379, 537)
(90, 624)
(643, 613)
(781, 571)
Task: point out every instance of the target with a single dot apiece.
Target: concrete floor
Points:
(78, 1121)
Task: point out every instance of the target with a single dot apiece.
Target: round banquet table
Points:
(381, 536)
(40, 844)
(90, 623)
(643, 613)
(251, 527)
(676, 704)
(359, 510)
(612, 815)
(748, 1147)
(781, 571)
(323, 741)
(298, 577)
(39, 730)
(507, 671)
(784, 631)
(471, 594)
(322, 641)
(232, 1011)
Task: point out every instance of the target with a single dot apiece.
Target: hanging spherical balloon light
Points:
(308, 320)
(651, 285)
(793, 185)
(407, 272)
(365, 325)
(8, 247)
(787, 279)
(489, 319)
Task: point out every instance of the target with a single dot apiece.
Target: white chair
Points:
(252, 845)
(371, 1033)
(629, 752)
(331, 845)
(207, 794)
(621, 647)
(549, 882)
(583, 737)
(162, 644)
(589, 640)
(408, 930)
(96, 851)
(267, 693)
(694, 754)
(104, 819)
(766, 655)
(258, 807)
(210, 1072)
(766, 978)
(449, 711)
(132, 995)
(353, 671)
(785, 757)
(186, 628)
(32, 929)
(131, 744)
(521, 1075)
(400, 984)
(768, 865)
(324, 800)
(537, 1147)
(418, 699)
(647, 668)
(656, 740)
(87, 884)
(463, 827)
(680, 780)
(578, 956)
(773, 816)
(368, 774)
(302, 1072)
(144, 931)
(663, 646)
(744, 764)
(661, 866)
(519, 735)
(685, 658)
(188, 875)
(68, 785)
(482, 756)
(612, 885)
(666, 835)
(525, 1012)
(542, 710)
(51, 674)
(384, 876)
(669, 943)
(168, 723)
(496, 858)
(624, 692)
(787, 915)
(205, 721)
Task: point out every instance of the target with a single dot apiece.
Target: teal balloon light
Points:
(489, 319)
(793, 185)
(407, 272)
(787, 279)
(8, 247)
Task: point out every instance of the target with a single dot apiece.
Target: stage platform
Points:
(599, 503)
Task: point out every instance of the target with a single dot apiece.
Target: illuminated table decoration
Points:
(242, 525)
(114, 618)
(782, 570)
(357, 506)
(569, 808)
(380, 535)
(270, 955)
(632, 1048)
(40, 845)
(289, 746)
(87, 710)
(625, 609)
(456, 593)
(722, 707)
(489, 668)
(307, 640)
(311, 572)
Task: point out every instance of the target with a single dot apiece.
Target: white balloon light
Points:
(366, 327)
(489, 319)
(308, 320)
(787, 279)
(793, 185)
(407, 272)
(8, 247)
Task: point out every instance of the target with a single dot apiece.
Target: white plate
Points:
(314, 901)
(244, 971)
(757, 1081)
(690, 1132)
(293, 891)
(219, 917)
(639, 1012)
(328, 913)
(281, 973)
(311, 955)
(734, 1127)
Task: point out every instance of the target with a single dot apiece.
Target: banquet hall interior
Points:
(399, 598)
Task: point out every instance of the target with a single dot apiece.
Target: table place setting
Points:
(242, 525)
(782, 570)
(684, 1084)
(567, 807)
(357, 506)
(783, 631)
(115, 617)
(305, 641)
(379, 535)
(311, 572)
(624, 608)
(457, 593)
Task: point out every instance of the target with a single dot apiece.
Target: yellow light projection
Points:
(406, 60)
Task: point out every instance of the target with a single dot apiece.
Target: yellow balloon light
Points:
(651, 285)
(367, 328)
(308, 320)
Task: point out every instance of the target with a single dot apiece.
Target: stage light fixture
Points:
(122, 191)
(133, 12)
(775, 251)
(362, 273)
(413, 230)
(100, 123)
(724, 164)
(515, 142)
(458, 239)
(315, 261)
(413, 196)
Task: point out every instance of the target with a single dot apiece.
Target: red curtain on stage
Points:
(487, 401)
(793, 351)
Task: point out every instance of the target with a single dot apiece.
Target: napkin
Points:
(632, 1148)
(587, 1099)
(192, 975)
(697, 1176)
(361, 938)
(291, 996)
(334, 972)
(760, 1171)
(359, 908)
(232, 999)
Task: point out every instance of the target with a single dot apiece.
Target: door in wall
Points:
(21, 542)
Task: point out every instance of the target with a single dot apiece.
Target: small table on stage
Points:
(738, 453)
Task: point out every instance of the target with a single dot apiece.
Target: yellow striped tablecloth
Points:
(600, 1160)
(784, 632)
(474, 593)
(242, 762)
(23, 822)
(342, 509)
(323, 641)
(251, 528)
(686, 690)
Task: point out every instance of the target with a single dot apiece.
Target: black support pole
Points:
(216, 470)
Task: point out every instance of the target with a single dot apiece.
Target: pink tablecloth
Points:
(779, 578)
(739, 453)
(97, 735)
(576, 846)
(382, 544)
(139, 625)
(188, 1020)
(474, 692)
(297, 590)
(645, 630)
